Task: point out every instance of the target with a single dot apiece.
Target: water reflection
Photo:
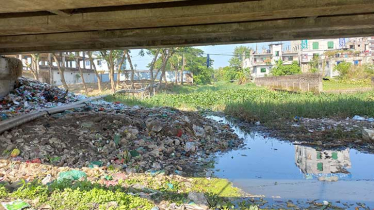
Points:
(326, 165)
(281, 171)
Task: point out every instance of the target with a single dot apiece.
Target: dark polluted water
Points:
(281, 172)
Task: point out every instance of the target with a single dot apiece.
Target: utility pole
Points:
(50, 69)
(184, 63)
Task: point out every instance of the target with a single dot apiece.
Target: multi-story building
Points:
(261, 63)
(325, 54)
(313, 49)
(49, 73)
(371, 45)
(48, 69)
(359, 44)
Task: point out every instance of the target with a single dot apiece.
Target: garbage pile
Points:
(136, 139)
(31, 95)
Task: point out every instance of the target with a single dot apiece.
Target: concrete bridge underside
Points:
(69, 25)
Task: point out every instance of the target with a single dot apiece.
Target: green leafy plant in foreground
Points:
(77, 195)
(67, 194)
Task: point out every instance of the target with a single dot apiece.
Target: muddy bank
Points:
(326, 133)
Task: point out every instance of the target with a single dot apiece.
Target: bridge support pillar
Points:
(10, 70)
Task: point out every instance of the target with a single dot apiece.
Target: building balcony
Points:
(259, 63)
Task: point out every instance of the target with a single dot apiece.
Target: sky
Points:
(221, 60)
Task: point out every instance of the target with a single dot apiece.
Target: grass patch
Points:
(268, 106)
(346, 85)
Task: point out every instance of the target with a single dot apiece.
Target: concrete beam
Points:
(13, 6)
(183, 16)
(245, 32)
(81, 24)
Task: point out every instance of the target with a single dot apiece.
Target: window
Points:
(276, 53)
(263, 70)
(335, 155)
(320, 166)
(99, 62)
(315, 45)
(319, 156)
(330, 45)
(290, 58)
(87, 63)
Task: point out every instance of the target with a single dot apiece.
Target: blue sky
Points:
(219, 60)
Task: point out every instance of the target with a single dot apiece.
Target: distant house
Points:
(357, 51)
(49, 73)
(261, 63)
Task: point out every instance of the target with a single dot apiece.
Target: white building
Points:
(371, 45)
(309, 49)
(261, 63)
(355, 50)
(50, 74)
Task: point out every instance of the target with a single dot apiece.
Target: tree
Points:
(34, 65)
(61, 68)
(343, 68)
(95, 70)
(166, 54)
(111, 57)
(132, 69)
(196, 62)
(236, 71)
(281, 70)
(314, 64)
(227, 74)
(237, 59)
(76, 58)
(155, 53)
(121, 62)
(188, 58)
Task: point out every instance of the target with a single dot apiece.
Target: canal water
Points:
(281, 171)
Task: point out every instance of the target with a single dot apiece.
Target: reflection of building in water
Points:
(321, 163)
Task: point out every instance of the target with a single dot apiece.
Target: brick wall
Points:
(300, 82)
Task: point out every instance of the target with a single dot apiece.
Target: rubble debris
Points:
(47, 179)
(199, 199)
(32, 95)
(368, 135)
(134, 139)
